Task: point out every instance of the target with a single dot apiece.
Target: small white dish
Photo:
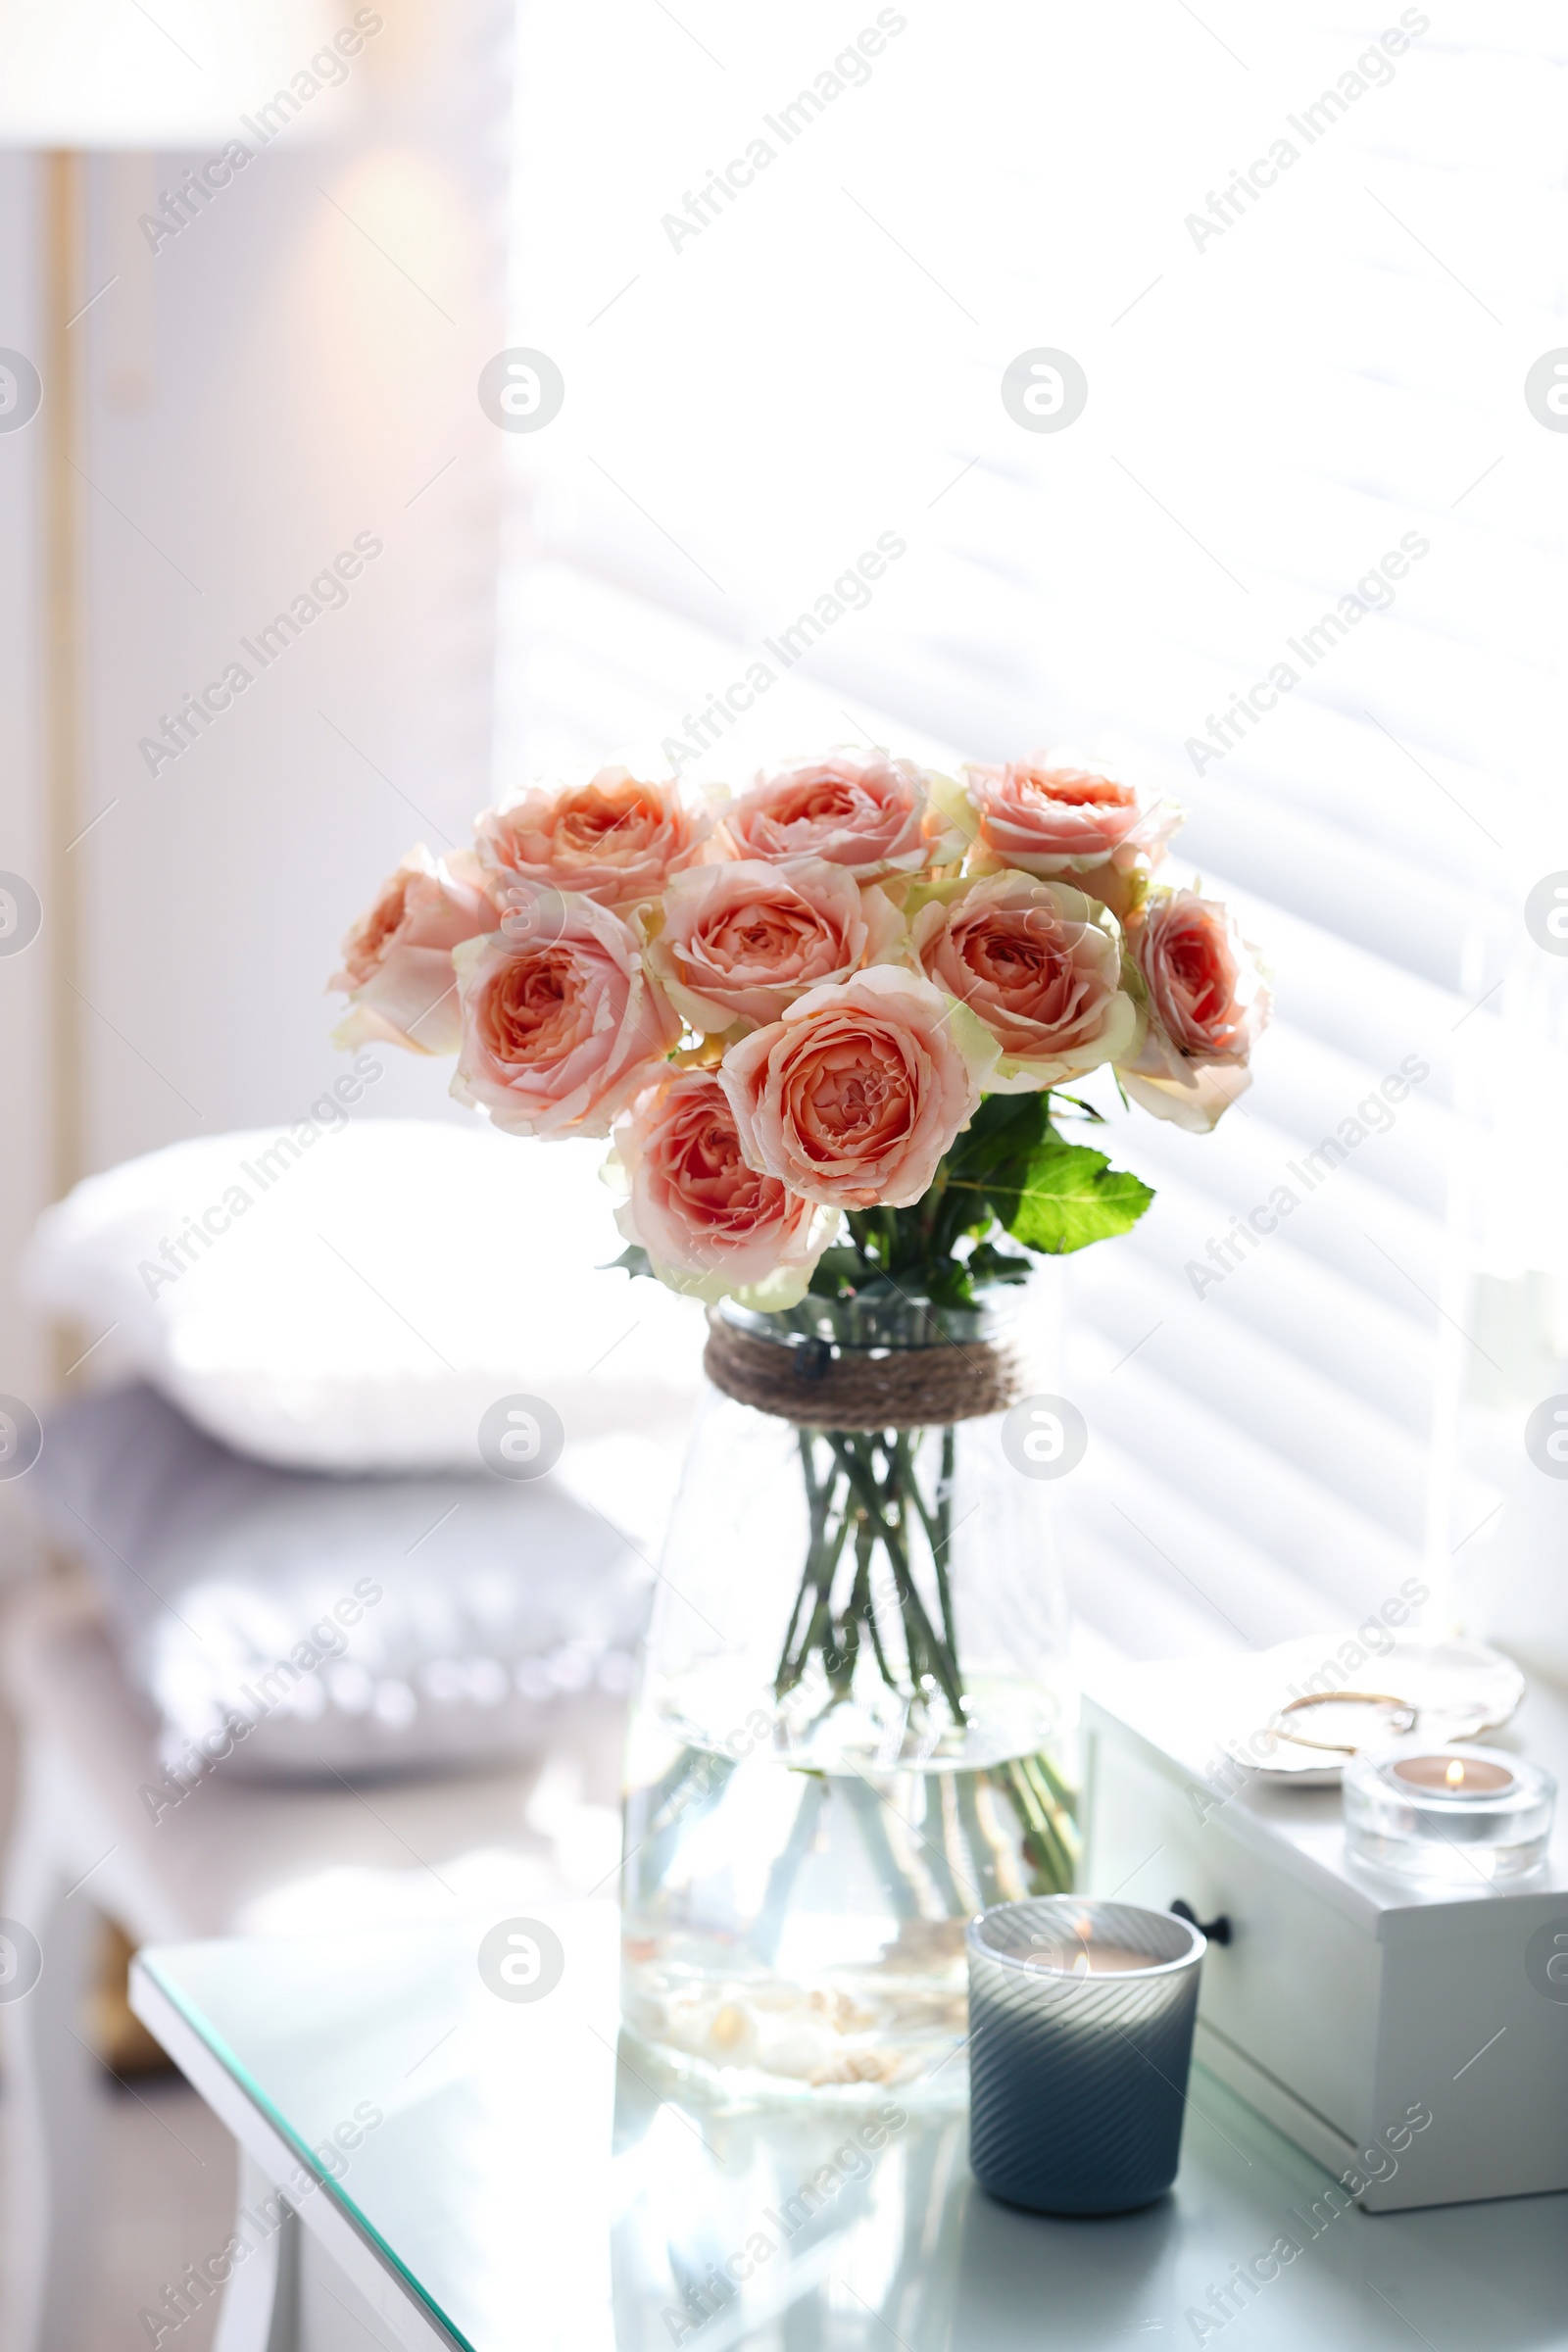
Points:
(1445, 1692)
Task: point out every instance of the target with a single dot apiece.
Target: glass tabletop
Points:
(539, 2184)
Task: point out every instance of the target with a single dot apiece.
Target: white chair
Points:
(359, 1321)
(231, 1858)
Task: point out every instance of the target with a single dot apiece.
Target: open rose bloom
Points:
(562, 1027)
(824, 1017)
(1207, 1002)
(711, 1225)
(870, 815)
(738, 943)
(1039, 965)
(397, 960)
(1057, 814)
(854, 1097)
(613, 838)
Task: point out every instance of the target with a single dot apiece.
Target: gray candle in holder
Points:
(1081, 2017)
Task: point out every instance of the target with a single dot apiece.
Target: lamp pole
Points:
(63, 177)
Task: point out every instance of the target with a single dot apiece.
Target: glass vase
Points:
(855, 1726)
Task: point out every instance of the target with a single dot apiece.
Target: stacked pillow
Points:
(353, 1294)
(287, 1624)
(312, 1564)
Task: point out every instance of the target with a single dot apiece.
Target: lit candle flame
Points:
(1454, 1775)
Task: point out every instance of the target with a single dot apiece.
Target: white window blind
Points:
(1290, 379)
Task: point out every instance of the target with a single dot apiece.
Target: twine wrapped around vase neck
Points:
(818, 1384)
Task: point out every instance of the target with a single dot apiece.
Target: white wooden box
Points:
(1346, 2006)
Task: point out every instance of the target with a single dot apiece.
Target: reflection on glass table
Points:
(446, 2140)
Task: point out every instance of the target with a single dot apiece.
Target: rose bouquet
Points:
(832, 1027)
(828, 1023)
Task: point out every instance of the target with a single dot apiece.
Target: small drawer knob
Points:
(1217, 1930)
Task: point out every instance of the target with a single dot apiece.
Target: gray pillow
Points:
(289, 1625)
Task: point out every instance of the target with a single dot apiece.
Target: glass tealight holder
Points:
(1447, 1816)
(1081, 2017)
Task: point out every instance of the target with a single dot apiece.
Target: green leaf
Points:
(840, 1272)
(633, 1259)
(989, 1265)
(1002, 1132)
(1067, 1196)
(1052, 1196)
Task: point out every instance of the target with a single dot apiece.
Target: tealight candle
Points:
(1447, 1815)
(1073, 1949)
(1454, 1775)
(1096, 1960)
(1081, 2019)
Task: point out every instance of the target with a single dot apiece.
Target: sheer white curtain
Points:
(1299, 559)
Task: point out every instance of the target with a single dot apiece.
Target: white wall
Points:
(288, 373)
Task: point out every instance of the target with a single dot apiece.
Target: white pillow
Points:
(355, 1296)
(343, 1625)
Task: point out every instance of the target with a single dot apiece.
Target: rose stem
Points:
(820, 1621)
(1065, 1796)
(903, 1478)
(895, 1503)
(818, 1496)
(1050, 1857)
(866, 1804)
(939, 1551)
(817, 1507)
(1051, 1830)
(913, 1650)
(842, 1649)
(987, 1861)
(819, 1569)
(938, 1531)
(919, 1636)
(861, 1606)
(1057, 1802)
(941, 1864)
(768, 1932)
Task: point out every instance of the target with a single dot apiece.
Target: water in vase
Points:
(829, 1777)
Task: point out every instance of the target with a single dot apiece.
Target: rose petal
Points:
(1057, 814)
(615, 838)
(854, 1097)
(1208, 1003)
(562, 1028)
(397, 960)
(1039, 965)
(713, 1226)
(740, 942)
(863, 810)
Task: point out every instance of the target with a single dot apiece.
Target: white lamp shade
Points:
(175, 74)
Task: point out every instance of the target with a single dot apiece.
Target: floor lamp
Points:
(78, 79)
(81, 79)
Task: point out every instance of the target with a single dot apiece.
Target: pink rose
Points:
(711, 1225)
(397, 961)
(615, 839)
(1039, 963)
(740, 942)
(1208, 1004)
(1053, 815)
(559, 1028)
(860, 809)
(853, 1097)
